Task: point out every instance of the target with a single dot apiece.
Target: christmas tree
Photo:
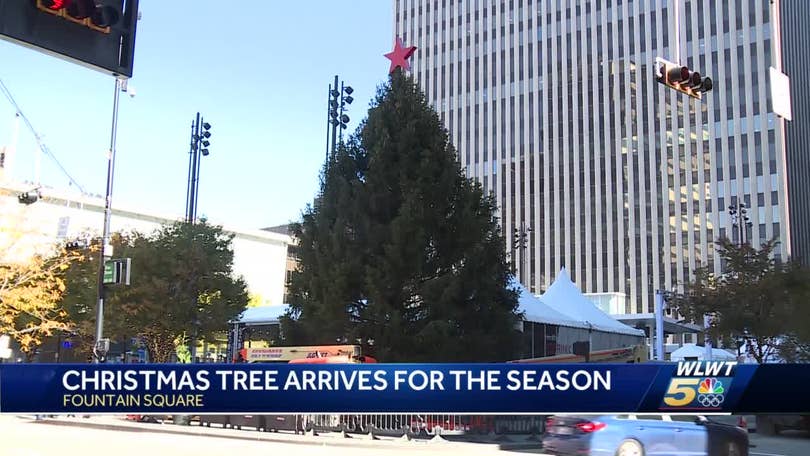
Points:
(401, 248)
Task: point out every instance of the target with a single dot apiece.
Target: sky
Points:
(258, 73)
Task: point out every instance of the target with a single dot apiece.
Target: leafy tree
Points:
(29, 299)
(758, 300)
(81, 295)
(31, 288)
(401, 248)
(182, 283)
(181, 349)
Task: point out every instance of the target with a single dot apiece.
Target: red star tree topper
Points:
(399, 56)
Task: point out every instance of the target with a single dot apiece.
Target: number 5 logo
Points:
(681, 392)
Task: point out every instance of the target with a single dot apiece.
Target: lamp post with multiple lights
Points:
(200, 133)
(337, 119)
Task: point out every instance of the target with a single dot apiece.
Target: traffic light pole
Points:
(105, 237)
(677, 15)
(194, 169)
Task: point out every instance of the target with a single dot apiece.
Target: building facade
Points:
(259, 256)
(553, 107)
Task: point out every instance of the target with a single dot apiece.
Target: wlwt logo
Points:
(699, 385)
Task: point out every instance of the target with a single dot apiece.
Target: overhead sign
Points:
(99, 34)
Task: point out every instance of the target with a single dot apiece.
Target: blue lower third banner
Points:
(687, 387)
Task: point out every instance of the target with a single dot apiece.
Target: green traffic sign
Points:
(110, 272)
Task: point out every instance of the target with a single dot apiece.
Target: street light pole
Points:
(105, 237)
(193, 169)
(334, 124)
(521, 242)
(198, 147)
(191, 160)
(336, 115)
(740, 221)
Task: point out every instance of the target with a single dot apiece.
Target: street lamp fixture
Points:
(520, 244)
(200, 133)
(740, 220)
(337, 119)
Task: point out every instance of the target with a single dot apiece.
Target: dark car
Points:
(642, 435)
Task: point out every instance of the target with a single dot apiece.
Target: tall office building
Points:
(553, 106)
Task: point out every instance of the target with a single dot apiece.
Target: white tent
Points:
(695, 353)
(537, 311)
(262, 315)
(564, 297)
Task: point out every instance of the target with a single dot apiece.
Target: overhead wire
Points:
(42, 146)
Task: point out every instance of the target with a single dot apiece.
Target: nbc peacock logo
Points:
(711, 386)
(711, 392)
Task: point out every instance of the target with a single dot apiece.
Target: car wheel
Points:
(630, 448)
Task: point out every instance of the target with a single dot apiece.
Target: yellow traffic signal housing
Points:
(682, 79)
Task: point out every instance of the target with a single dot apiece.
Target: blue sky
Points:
(258, 74)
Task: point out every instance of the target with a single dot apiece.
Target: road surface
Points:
(22, 436)
(103, 436)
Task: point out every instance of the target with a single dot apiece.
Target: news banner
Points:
(687, 387)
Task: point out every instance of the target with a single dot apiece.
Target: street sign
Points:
(109, 272)
(102, 346)
(62, 227)
(116, 272)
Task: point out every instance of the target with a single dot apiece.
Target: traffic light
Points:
(75, 245)
(682, 79)
(28, 197)
(95, 14)
(99, 34)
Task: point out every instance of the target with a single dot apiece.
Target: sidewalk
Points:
(119, 423)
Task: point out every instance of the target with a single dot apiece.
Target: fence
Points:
(390, 424)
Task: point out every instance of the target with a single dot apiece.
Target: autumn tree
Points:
(31, 288)
(758, 300)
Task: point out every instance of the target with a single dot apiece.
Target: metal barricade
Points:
(520, 424)
(437, 424)
(321, 422)
(424, 424)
